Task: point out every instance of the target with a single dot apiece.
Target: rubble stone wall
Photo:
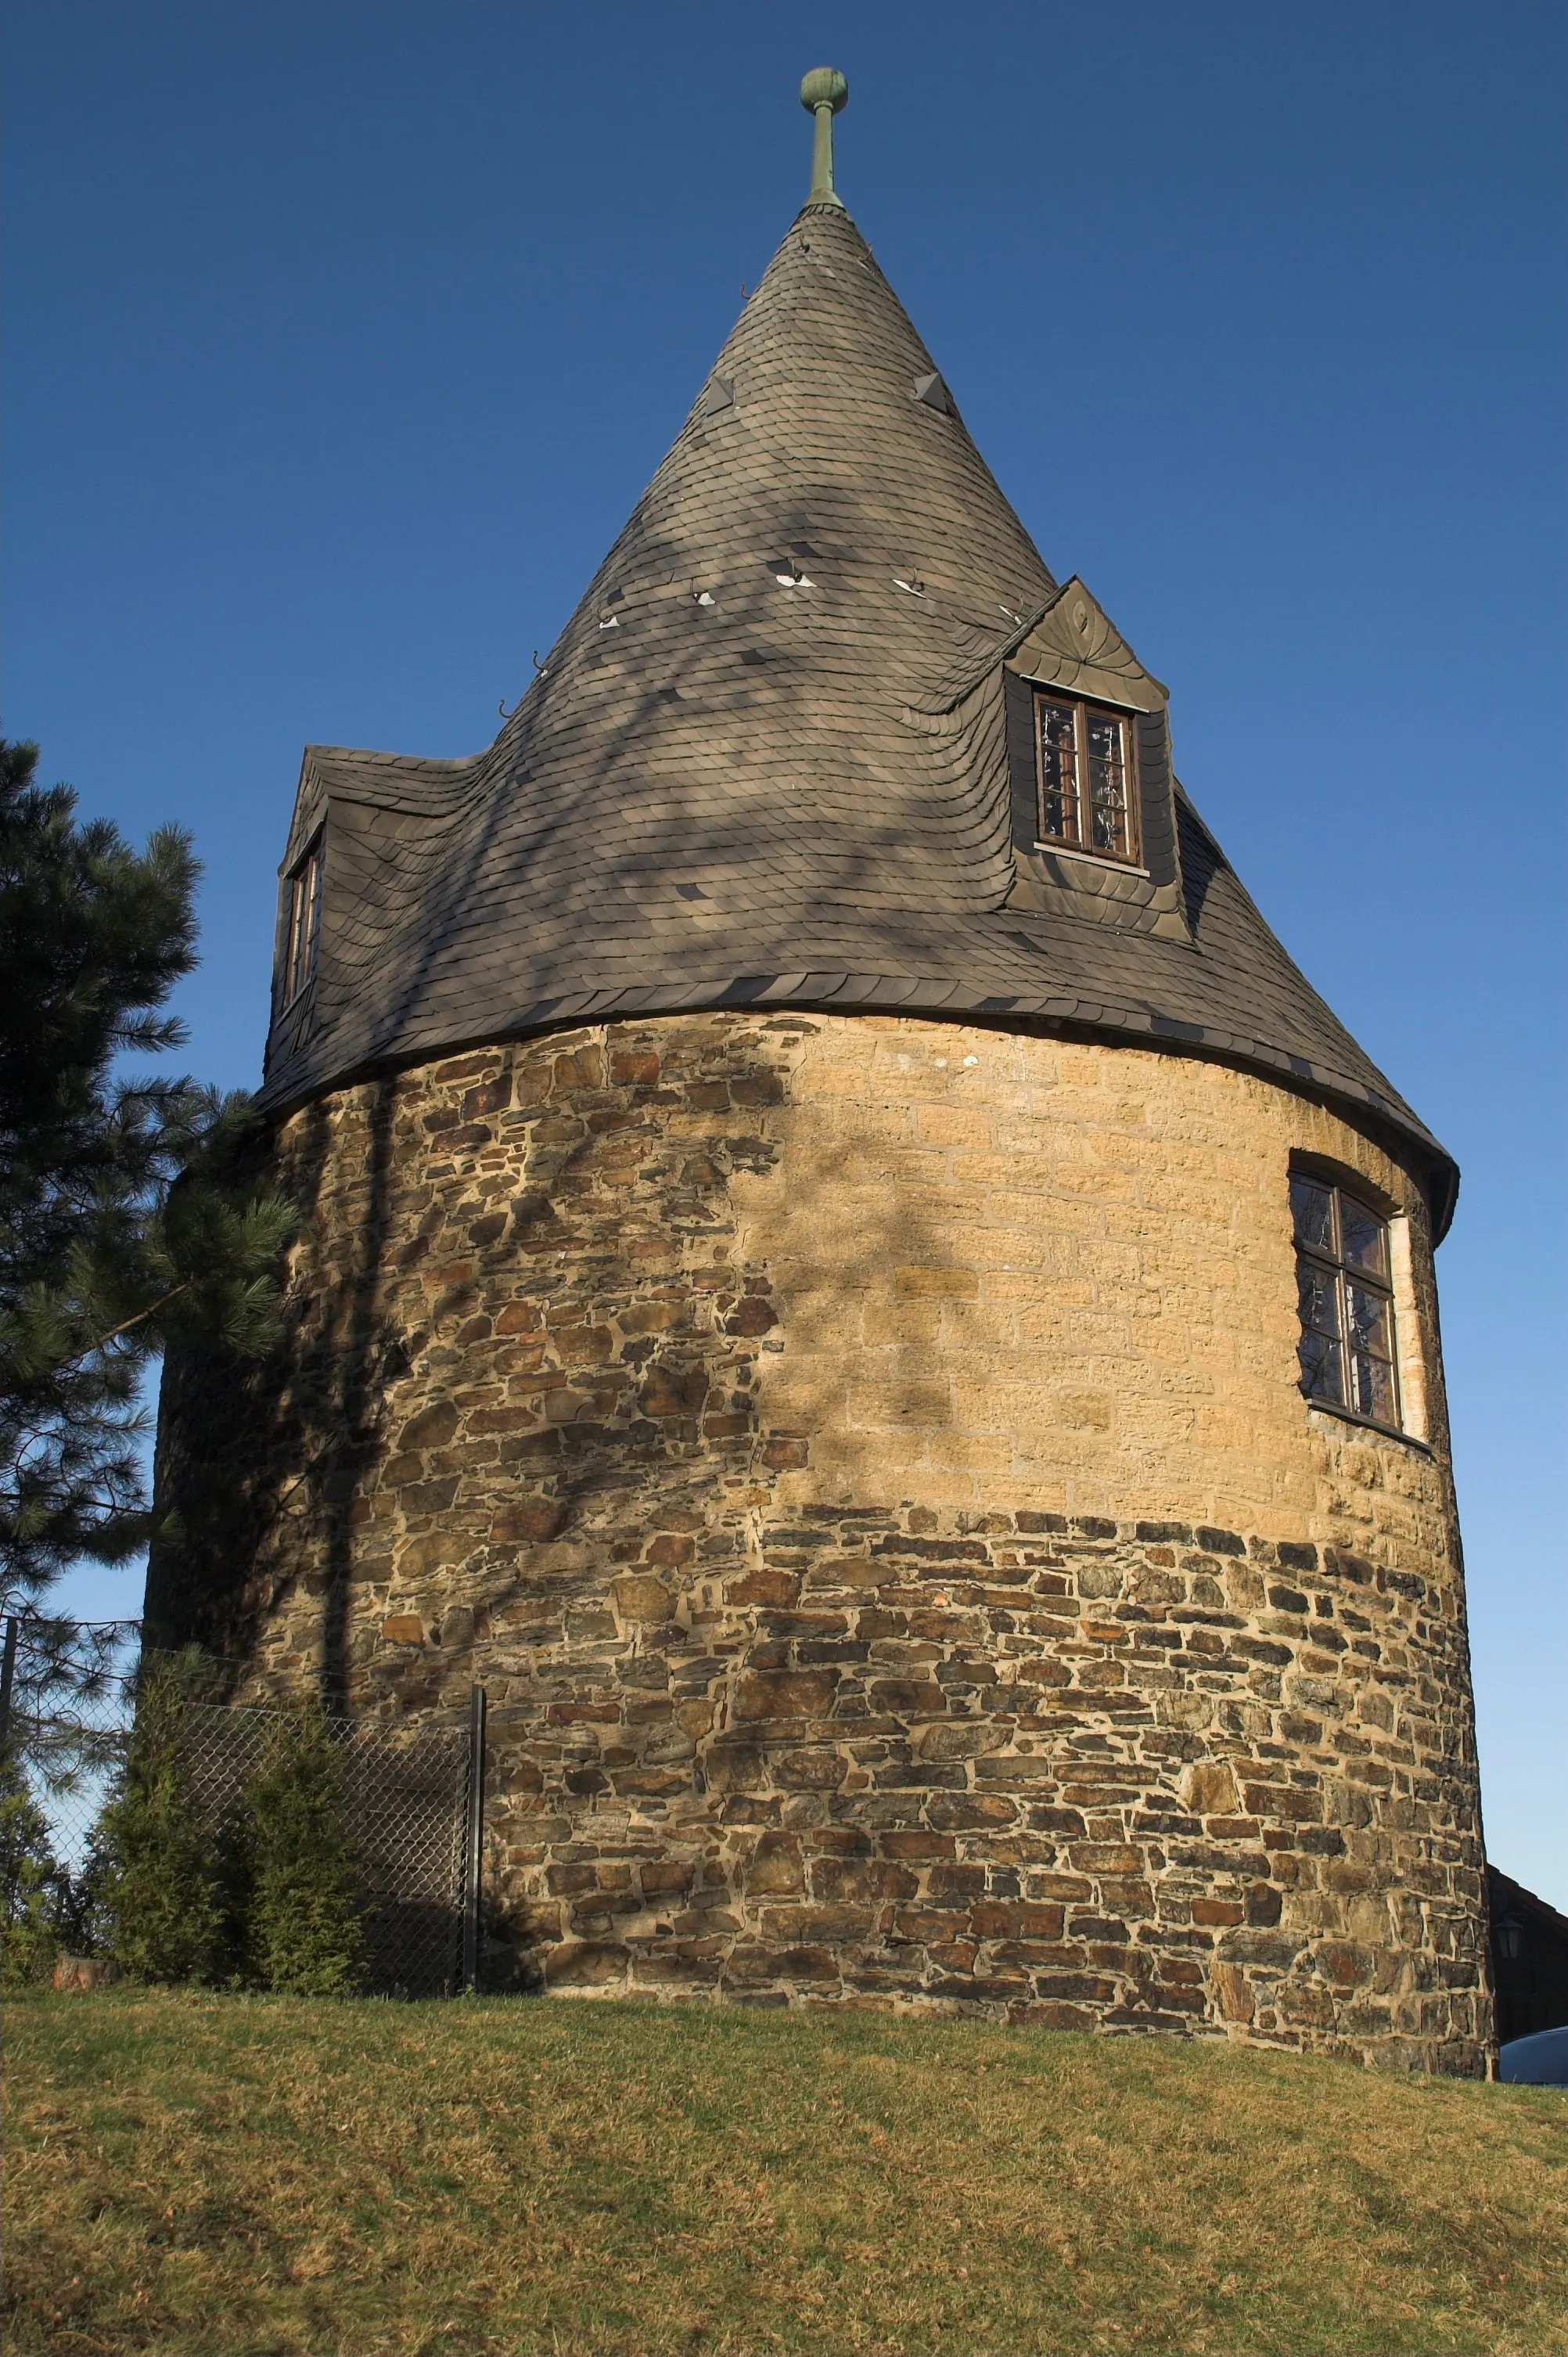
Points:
(862, 1459)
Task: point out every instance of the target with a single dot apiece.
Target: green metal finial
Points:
(823, 91)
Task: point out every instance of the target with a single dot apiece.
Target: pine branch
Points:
(124, 1327)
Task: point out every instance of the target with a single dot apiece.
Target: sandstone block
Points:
(673, 1392)
(938, 1284)
(528, 1519)
(1209, 1789)
(641, 1596)
(431, 1554)
(784, 1693)
(776, 1866)
(948, 1739)
(433, 1428)
(812, 1771)
(85, 1974)
(586, 1964)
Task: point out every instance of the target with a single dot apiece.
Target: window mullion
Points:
(1342, 1312)
(1341, 1300)
(1040, 767)
(313, 916)
(1080, 775)
(303, 925)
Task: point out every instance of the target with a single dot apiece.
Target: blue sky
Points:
(342, 336)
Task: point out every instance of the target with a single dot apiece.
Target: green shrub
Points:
(303, 1933)
(83, 1905)
(29, 1939)
(265, 1894)
(165, 1888)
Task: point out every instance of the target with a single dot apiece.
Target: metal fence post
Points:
(474, 1861)
(7, 1674)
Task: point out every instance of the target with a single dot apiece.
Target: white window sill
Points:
(1094, 859)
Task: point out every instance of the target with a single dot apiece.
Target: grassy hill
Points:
(213, 2175)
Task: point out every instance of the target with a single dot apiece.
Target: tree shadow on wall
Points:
(257, 1462)
(659, 1476)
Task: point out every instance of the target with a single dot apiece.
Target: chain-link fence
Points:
(403, 1794)
(408, 1795)
(70, 1702)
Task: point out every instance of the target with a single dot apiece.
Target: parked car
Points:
(1538, 2061)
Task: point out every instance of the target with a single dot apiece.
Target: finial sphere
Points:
(823, 86)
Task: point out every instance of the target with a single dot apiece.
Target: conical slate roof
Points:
(769, 759)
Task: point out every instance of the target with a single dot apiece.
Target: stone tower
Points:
(847, 1279)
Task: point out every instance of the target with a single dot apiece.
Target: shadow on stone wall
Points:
(512, 1326)
(247, 1452)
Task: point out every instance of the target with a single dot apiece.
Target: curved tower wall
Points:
(863, 1461)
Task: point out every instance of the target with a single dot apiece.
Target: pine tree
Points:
(167, 1888)
(127, 1214)
(304, 1925)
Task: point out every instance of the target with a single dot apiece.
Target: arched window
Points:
(1345, 1294)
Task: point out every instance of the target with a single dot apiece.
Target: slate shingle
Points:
(843, 802)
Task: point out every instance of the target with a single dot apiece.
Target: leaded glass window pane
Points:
(1058, 772)
(1312, 1208)
(1322, 1368)
(1343, 1299)
(1363, 1237)
(1086, 777)
(296, 935)
(1107, 783)
(1316, 1299)
(1368, 1320)
(1373, 1388)
(304, 926)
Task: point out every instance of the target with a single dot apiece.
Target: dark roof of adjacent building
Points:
(767, 763)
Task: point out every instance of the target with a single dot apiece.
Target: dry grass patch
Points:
(205, 2176)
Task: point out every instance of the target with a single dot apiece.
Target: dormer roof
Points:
(767, 761)
(1074, 646)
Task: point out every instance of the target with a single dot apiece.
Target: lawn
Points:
(206, 2175)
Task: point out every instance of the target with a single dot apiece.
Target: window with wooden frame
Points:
(302, 923)
(1345, 1296)
(1086, 777)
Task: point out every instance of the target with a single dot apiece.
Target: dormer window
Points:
(303, 923)
(1085, 778)
(1345, 1298)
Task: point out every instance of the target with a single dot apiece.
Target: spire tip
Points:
(823, 93)
(825, 86)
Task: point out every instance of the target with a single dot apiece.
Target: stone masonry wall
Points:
(862, 1459)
